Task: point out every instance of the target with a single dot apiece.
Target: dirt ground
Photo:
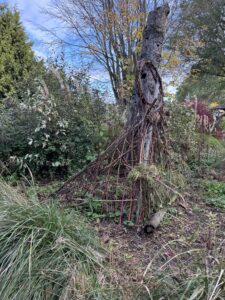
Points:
(189, 232)
(191, 236)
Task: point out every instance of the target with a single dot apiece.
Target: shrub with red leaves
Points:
(204, 117)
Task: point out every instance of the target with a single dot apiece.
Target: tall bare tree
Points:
(108, 30)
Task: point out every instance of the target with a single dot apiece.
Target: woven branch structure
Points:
(142, 141)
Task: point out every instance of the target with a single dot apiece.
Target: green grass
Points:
(218, 202)
(214, 192)
(47, 253)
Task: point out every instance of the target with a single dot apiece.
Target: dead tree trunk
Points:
(147, 100)
(141, 142)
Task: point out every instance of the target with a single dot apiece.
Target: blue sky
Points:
(31, 17)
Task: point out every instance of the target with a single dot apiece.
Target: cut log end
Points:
(149, 229)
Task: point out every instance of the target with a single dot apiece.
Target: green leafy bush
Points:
(58, 126)
(189, 149)
(182, 131)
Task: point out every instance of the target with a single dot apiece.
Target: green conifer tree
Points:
(16, 55)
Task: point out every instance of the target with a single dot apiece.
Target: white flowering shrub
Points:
(53, 130)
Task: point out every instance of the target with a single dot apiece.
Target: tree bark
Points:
(147, 99)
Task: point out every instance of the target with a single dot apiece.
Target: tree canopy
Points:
(109, 31)
(200, 39)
